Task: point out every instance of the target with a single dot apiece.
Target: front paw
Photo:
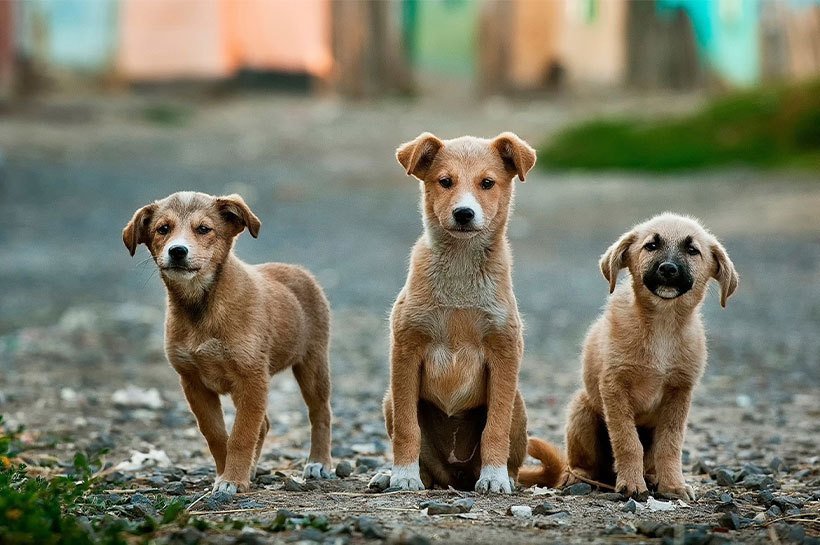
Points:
(230, 487)
(315, 470)
(406, 477)
(631, 486)
(678, 489)
(494, 480)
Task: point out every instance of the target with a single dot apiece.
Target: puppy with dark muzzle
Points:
(642, 359)
(230, 326)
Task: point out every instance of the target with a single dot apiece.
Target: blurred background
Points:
(710, 108)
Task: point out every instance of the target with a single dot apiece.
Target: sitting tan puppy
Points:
(453, 409)
(230, 326)
(644, 356)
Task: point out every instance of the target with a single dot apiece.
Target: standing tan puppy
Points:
(644, 356)
(453, 409)
(230, 326)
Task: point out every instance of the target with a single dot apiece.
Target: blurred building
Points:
(367, 48)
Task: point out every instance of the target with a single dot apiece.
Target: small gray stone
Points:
(520, 511)
(724, 477)
(631, 506)
(174, 489)
(250, 504)
(217, 500)
(370, 528)
(344, 469)
(577, 489)
(380, 482)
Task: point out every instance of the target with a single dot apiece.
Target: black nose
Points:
(668, 269)
(177, 252)
(463, 215)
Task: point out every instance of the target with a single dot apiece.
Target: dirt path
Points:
(79, 319)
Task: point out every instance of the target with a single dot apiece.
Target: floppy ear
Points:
(517, 155)
(616, 258)
(417, 155)
(725, 272)
(136, 232)
(236, 212)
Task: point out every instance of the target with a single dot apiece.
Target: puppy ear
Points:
(136, 232)
(417, 155)
(518, 156)
(724, 273)
(236, 212)
(616, 258)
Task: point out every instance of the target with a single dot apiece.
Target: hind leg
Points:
(313, 376)
(518, 438)
(263, 432)
(583, 450)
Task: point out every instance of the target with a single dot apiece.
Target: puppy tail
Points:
(552, 464)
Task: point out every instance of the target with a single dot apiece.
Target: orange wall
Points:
(172, 39)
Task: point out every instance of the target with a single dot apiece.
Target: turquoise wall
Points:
(75, 34)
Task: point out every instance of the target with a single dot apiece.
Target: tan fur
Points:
(230, 326)
(641, 360)
(551, 470)
(453, 404)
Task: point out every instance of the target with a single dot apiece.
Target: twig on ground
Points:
(593, 482)
(196, 501)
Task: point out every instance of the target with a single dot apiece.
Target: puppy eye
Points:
(691, 250)
(203, 229)
(487, 183)
(163, 229)
(650, 246)
(446, 182)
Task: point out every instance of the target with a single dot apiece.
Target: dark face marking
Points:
(669, 274)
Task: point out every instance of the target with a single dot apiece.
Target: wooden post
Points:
(7, 57)
(369, 53)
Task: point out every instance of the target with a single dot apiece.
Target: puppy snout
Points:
(178, 252)
(463, 215)
(668, 270)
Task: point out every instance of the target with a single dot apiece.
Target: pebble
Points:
(757, 482)
(777, 465)
(217, 500)
(344, 469)
(733, 521)
(250, 504)
(380, 482)
(577, 489)
(370, 528)
(174, 489)
(463, 505)
(774, 511)
(292, 485)
(520, 511)
(631, 506)
(545, 508)
(724, 477)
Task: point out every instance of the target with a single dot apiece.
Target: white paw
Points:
(406, 477)
(226, 487)
(315, 470)
(494, 480)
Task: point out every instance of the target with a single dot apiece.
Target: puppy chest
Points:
(211, 361)
(454, 376)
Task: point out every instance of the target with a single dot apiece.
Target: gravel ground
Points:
(80, 321)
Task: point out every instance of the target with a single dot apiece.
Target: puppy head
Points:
(189, 234)
(670, 256)
(467, 181)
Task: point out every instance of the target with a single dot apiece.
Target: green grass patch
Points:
(767, 127)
